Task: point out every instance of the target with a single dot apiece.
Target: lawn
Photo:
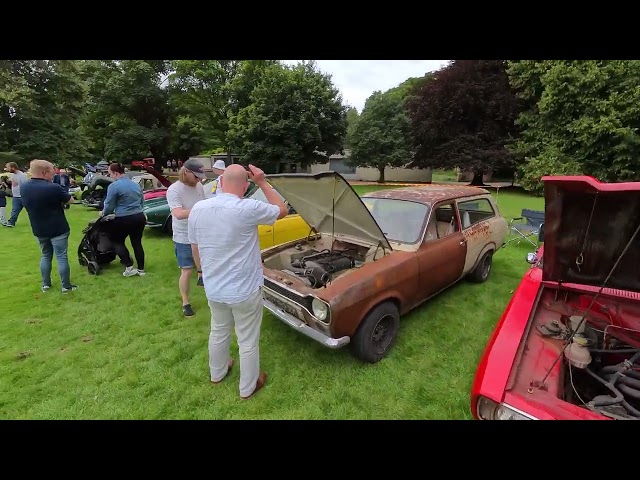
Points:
(119, 348)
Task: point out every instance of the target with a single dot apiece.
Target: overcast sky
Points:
(358, 79)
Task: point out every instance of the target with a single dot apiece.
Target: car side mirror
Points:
(532, 258)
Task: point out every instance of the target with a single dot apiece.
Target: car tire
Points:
(377, 333)
(168, 227)
(481, 273)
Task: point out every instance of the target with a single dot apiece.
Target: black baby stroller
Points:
(96, 248)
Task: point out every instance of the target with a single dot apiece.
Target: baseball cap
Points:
(219, 165)
(195, 167)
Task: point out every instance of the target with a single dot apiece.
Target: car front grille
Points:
(304, 302)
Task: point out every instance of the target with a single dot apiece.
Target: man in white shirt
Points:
(223, 231)
(181, 197)
(18, 177)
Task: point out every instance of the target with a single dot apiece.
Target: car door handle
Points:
(269, 230)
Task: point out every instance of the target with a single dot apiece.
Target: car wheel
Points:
(377, 333)
(481, 273)
(167, 227)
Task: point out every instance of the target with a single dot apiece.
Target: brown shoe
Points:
(231, 362)
(262, 379)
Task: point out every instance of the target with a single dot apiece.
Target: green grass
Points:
(119, 348)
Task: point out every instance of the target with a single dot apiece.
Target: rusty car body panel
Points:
(427, 247)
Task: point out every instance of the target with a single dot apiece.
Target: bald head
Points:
(234, 180)
(41, 169)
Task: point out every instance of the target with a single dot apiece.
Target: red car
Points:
(568, 344)
(157, 192)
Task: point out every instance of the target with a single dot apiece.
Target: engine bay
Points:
(600, 354)
(318, 262)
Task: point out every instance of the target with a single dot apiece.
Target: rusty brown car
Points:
(368, 260)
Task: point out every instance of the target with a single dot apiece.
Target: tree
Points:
(295, 115)
(352, 118)
(581, 117)
(40, 105)
(129, 116)
(382, 135)
(463, 116)
(202, 88)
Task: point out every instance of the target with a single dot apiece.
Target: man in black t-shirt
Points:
(44, 202)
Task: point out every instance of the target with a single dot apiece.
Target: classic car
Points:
(159, 215)
(567, 346)
(291, 227)
(371, 259)
(153, 185)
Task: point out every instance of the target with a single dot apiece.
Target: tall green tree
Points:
(129, 116)
(463, 116)
(352, 118)
(381, 137)
(201, 90)
(295, 115)
(41, 102)
(581, 117)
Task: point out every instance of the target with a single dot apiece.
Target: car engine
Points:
(602, 366)
(318, 268)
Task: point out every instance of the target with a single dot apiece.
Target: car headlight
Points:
(320, 309)
(490, 410)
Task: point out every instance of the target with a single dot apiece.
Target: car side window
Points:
(442, 223)
(475, 211)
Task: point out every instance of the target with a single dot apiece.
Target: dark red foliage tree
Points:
(463, 116)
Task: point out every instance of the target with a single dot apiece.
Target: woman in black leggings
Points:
(125, 198)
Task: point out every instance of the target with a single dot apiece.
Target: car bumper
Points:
(299, 325)
(153, 225)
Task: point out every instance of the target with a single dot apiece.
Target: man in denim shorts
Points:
(181, 197)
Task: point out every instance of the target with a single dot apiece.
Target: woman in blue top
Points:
(125, 198)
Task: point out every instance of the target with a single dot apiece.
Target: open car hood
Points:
(587, 226)
(164, 181)
(324, 196)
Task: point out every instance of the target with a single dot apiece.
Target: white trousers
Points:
(2, 213)
(247, 317)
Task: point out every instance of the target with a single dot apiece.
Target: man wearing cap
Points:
(181, 197)
(218, 168)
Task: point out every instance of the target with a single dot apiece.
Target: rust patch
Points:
(428, 194)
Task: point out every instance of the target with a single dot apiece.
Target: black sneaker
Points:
(187, 310)
(200, 282)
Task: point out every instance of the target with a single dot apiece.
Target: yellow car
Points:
(291, 227)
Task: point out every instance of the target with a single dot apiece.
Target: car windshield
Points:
(400, 220)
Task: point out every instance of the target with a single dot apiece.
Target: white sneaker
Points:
(141, 272)
(130, 272)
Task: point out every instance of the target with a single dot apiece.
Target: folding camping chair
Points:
(529, 224)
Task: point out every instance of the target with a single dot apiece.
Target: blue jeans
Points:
(16, 208)
(57, 245)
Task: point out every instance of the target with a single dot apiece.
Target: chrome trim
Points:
(299, 325)
(326, 322)
(524, 414)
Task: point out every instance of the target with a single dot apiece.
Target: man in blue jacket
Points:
(44, 202)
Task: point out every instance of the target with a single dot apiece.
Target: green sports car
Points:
(158, 214)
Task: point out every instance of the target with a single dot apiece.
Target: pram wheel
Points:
(93, 268)
(82, 261)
